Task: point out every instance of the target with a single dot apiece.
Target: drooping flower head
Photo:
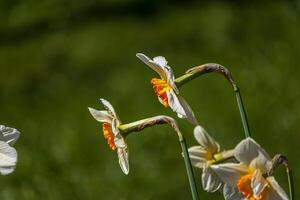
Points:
(8, 154)
(249, 178)
(166, 89)
(204, 156)
(110, 122)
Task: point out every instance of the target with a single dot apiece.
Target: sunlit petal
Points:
(160, 60)
(205, 140)
(258, 183)
(276, 192)
(153, 65)
(198, 156)
(210, 180)
(8, 134)
(101, 116)
(232, 193)
(247, 150)
(261, 162)
(123, 160)
(8, 158)
(230, 173)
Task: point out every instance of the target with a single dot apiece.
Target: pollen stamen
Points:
(160, 88)
(109, 135)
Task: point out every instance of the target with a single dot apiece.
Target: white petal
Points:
(205, 140)
(8, 158)
(156, 67)
(189, 114)
(261, 163)
(118, 139)
(199, 156)
(123, 160)
(230, 173)
(108, 107)
(178, 105)
(276, 192)
(171, 78)
(160, 60)
(258, 183)
(100, 116)
(247, 150)
(210, 181)
(9, 135)
(232, 193)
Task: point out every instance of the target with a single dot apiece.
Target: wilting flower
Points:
(8, 154)
(249, 179)
(166, 89)
(110, 122)
(205, 156)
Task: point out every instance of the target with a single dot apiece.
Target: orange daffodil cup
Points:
(8, 154)
(249, 178)
(166, 89)
(110, 122)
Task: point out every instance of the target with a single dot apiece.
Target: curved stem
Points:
(142, 124)
(282, 160)
(213, 67)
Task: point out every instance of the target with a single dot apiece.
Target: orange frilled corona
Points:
(109, 135)
(244, 187)
(160, 88)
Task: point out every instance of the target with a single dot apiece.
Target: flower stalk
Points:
(213, 67)
(282, 160)
(142, 124)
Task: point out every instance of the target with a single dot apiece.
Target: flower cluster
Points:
(241, 173)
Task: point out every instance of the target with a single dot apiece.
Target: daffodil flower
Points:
(248, 179)
(204, 156)
(8, 154)
(110, 122)
(166, 89)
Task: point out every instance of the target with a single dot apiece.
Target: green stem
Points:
(189, 169)
(213, 67)
(277, 161)
(142, 124)
(291, 183)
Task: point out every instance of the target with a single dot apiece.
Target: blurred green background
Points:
(58, 57)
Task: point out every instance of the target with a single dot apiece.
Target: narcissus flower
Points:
(166, 89)
(110, 122)
(204, 156)
(248, 179)
(8, 154)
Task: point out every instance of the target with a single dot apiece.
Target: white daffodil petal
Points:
(160, 60)
(100, 116)
(118, 138)
(247, 150)
(258, 183)
(232, 193)
(230, 172)
(107, 105)
(159, 69)
(188, 111)
(8, 134)
(198, 156)
(171, 78)
(123, 160)
(205, 140)
(175, 104)
(276, 192)
(210, 181)
(8, 158)
(261, 163)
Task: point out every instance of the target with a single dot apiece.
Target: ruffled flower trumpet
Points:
(166, 89)
(249, 179)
